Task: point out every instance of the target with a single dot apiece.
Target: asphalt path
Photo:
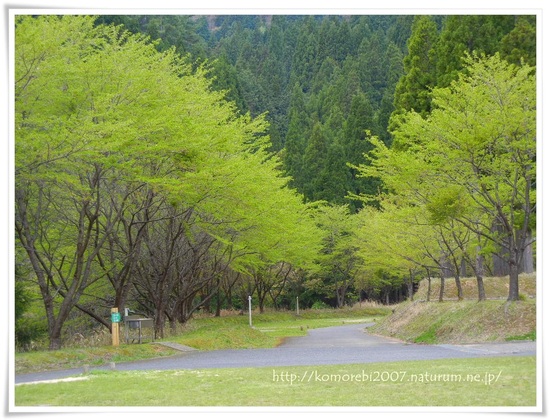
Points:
(344, 344)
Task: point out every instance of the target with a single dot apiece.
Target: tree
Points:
(413, 89)
(338, 262)
(304, 58)
(315, 163)
(296, 139)
(392, 244)
(270, 280)
(69, 87)
(464, 34)
(481, 137)
(359, 123)
(225, 78)
(521, 42)
(372, 56)
(426, 207)
(275, 79)
(104, 122)
(394, 73)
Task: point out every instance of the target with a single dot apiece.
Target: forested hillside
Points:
(329, 158)
(324, 80)
(321, 81)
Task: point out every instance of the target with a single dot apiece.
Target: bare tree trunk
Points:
(55, 341)
(500, 266)
(528, 263)
(159, 320)
(442, 288)
(500, 269)
(513, 293)
(62, 272)
(479, 276)
(173, 325)
(339, 297)
(218, 300)
(410, 286)
(429, 285)
(463, 272)
(459, 291)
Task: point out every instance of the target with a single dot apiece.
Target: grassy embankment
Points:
(468, 321)
(203, 333)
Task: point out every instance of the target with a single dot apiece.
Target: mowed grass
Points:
(497, 381)
(202, 333)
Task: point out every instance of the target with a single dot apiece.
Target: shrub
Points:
(319, 305)
(28, 331)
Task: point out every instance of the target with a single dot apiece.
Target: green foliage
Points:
(519, 45)
(29, 331)
(22, 299)
(29, 328)
(447, 204)
(393, 242)
(263, 61)
(465, 35)
(413, 89)
(319, 305)
(468, 164)
(338, 262)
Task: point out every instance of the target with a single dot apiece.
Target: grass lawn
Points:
(498, 381)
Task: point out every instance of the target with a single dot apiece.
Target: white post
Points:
(250, 310)
(297, 307)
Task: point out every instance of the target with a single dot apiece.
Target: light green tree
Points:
(338, 261)
(104, 121)
(480, 142)
(75, 114)
(395, 240)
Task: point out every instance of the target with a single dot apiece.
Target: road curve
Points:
(344, 344)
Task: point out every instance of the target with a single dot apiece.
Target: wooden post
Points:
(115, 322)
(297, 307)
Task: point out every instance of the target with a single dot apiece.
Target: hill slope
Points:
(468, 321)
(495, 288)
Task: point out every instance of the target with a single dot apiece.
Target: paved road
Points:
(324, 346)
